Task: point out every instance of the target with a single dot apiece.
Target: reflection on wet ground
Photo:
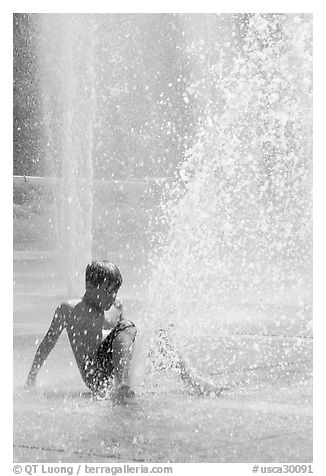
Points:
(266, 415)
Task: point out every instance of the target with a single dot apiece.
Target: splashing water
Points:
(237, 220)
(235, 226)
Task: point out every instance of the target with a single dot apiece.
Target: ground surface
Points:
(266, 415)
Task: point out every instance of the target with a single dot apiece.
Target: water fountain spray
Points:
(238, 216)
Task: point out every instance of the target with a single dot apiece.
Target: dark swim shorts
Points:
(99, 371)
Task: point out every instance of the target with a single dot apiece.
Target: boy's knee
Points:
(125, 339)
(130, 333)
(133, 332)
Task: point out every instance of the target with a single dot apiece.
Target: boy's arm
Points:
(47, 344)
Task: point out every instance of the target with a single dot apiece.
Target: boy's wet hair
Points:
(98, 272)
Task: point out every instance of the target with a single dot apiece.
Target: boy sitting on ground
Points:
(104, 362)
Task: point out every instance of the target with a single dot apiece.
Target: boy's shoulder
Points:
(68, 306)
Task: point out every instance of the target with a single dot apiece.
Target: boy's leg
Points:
(122, 349)
(112, 360)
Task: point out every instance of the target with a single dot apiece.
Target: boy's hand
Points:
(118, 305)
(113, 315)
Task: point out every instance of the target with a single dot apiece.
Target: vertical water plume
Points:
(67, 65)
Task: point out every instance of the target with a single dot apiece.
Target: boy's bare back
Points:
(84, 324)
